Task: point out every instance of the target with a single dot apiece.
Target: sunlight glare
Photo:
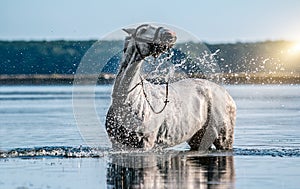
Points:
(295, 49)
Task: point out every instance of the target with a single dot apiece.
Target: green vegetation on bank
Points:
(269, 58)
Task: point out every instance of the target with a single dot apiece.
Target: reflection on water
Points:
(171, 171)
(39, 140)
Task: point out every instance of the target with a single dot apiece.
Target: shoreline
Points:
(102, 79)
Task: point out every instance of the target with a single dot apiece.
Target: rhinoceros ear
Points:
(130, 31)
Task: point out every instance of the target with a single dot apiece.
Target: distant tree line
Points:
(261, 57)
(41, 57)
(63, 57)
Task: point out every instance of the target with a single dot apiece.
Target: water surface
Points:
(39, 140)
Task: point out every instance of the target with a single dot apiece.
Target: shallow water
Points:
(39, 140)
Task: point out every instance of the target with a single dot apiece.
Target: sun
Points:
(295, 49)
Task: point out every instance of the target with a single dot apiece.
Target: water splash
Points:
(89, 152)
(49, 151)
(184, 60)
(267, 152)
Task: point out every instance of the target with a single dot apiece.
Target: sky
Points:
(211, 21)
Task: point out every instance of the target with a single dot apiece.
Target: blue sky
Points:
(211, 21)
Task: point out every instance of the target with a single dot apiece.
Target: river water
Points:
(41, 147)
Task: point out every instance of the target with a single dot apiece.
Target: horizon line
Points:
(94, 39)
